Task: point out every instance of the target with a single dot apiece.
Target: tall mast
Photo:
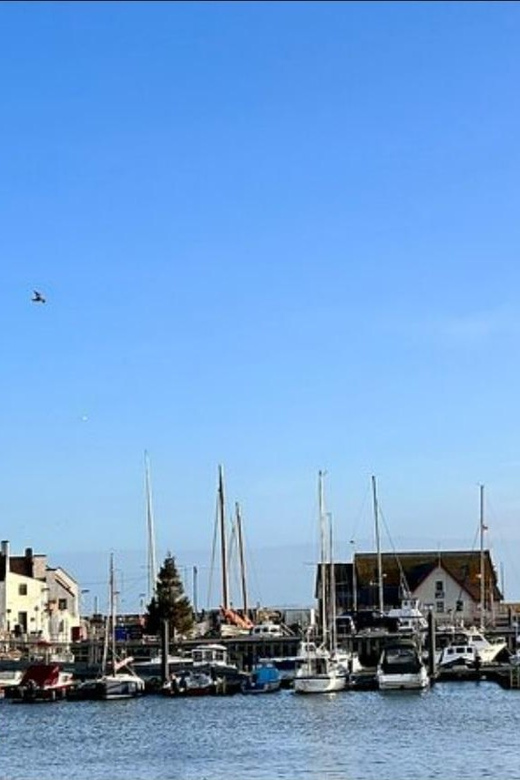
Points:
(223, 552)
(378, 546)
(354, 577)
(242, 558)
(323, 531)
(151, 562)
(112, 611)
(332, 586)
(482, 568)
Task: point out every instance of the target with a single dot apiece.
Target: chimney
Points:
(4, 551)
(28, 552)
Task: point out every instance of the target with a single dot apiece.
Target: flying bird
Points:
(37, 297)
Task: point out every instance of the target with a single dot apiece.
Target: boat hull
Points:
(324, 683)
(403, 682)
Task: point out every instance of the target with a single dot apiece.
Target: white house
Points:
(36, 601)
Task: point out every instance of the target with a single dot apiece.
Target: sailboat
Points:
(319, 670)
(117, 679)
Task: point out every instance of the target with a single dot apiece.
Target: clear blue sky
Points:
(279, 236)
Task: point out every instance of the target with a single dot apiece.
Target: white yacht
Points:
(401, 668)
(409, 616)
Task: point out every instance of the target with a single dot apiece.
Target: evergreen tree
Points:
(169, 603)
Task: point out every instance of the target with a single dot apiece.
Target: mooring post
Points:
(431, 645)
(165, 641)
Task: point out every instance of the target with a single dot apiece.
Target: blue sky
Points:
(281, 237)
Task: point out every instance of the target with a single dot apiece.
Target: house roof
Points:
(463, 566)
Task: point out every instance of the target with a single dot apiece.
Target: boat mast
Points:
(482, 568)
(323, 530)
(354, 577)
(378, 546)
(332, 586)
(112, 611)
(223, 552)
(242, 558)
(152, 561)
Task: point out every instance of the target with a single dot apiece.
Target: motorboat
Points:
(265, 678)
(213, 658)
(41, 682)
(401, 668)
(488, 652)
(409, 617)
(458, 655)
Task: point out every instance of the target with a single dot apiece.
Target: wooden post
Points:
(431, 645)
(165, 668)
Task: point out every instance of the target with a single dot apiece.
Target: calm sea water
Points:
(453, 732)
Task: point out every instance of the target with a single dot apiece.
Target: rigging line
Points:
(251, 569)
(232, 560)
(402, 575)
(213, 553)
(466, 575)
(361, 512)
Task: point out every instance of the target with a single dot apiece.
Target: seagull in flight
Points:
(37, 297)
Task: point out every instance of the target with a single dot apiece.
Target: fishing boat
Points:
(468, 643)
(39, 683)
(401, 668)
(319, 671)
(265, 678)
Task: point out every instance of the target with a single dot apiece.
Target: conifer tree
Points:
(169, 603)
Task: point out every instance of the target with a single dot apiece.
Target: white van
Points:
(266, 631)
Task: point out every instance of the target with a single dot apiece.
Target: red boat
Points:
(41, 682)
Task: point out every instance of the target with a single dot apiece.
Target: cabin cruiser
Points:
(458, 655)
(487, 651)
(409, 617)
(401, 668)
(213, 659)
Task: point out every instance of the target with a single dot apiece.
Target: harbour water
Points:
(452, 732)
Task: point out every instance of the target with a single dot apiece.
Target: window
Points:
(22, 590)
(439, 606)
(62, 603)
(459, 606)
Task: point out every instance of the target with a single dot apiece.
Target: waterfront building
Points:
(447, 582)
(37, 601)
